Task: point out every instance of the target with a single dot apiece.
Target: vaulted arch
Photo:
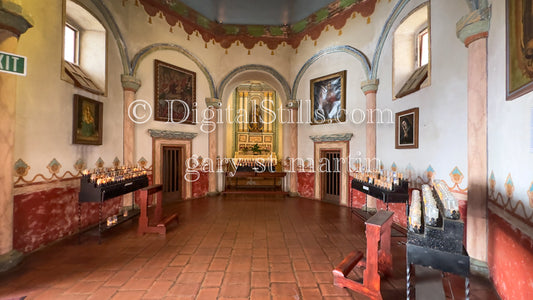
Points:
(143, 53)
(336, 49)
(256, 69)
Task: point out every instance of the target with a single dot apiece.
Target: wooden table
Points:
(232, 180)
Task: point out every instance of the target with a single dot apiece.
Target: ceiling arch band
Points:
(173, 47)
(370, 70)
(335, 49)
(384, 34)
(254, 67)
(117, 35)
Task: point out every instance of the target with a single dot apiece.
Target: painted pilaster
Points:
(213, 105)
(293, 106)
(472, 30)
(370, 88)
(13, 23)
(130, 86)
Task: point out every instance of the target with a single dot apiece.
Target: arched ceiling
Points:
(235, 21)
(256, 12)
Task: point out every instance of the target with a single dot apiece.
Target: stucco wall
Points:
(44, 109)
(510, 162)
(442, 105)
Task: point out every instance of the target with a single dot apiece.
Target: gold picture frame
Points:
(88, 120)
(174, 83)
(328, 98)
(406, 136)
(519, 44)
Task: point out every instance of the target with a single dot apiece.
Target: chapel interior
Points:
(283, 149)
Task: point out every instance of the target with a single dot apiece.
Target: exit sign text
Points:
(11, 63)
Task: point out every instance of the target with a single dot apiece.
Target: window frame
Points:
(76, 43)
(69, 74)
(420, 48)
(408, 75)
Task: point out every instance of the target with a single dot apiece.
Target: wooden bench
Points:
(378, 258)
(161, 227)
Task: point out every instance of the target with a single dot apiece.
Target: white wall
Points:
(442, 105)
(143, 141)
(44, 108)
(361, 33)
(509, 129)
(138, 33)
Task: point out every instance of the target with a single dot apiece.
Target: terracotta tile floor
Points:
(227, 247)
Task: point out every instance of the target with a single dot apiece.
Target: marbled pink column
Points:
(293, 146)
(370, 88)
(213, 105)
(472, 30)
(8, 88)
(130, 86)
(476, 237)
(14, 22)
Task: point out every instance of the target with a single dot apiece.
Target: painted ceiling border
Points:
(335, 14)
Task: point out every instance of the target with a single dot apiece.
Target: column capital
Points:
(474, 26)
(293, 104)
(13, 18)
(130, 83)
(213, 102)
(370, 86)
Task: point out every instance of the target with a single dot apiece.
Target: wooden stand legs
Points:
(144, 226)
(378, 258)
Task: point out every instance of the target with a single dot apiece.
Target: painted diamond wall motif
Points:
(394, 168)
(456, 175)
(116, 162)
(21, 168)
(79, 165)
(430, 172)
(54, 166)
(142, 162)
(509, 186)
(99, 163)
(492, 182)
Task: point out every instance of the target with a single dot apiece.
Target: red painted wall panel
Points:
(200, 187)
(399, 216)
(43, 217)
(510, 259)
(306, 184)
(358, 198)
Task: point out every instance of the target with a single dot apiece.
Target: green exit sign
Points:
(11, 63)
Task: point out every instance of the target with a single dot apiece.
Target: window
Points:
(423, 47)
(84, 49)
(70, 48)
(412, 53)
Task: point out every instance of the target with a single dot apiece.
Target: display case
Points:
(398, 193)
(435, 235)
(103, 185)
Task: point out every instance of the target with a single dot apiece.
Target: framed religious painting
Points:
(519, 43)
(406, 128)
(174, 93)
(328, 98)
(87, 125)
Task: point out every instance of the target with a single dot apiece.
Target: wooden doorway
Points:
(331, 175)
(172, 172)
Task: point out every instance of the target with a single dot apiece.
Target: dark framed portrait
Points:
(406, 136)
(87, 125)
(519, 43)
(328, 98)
(175, 93)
